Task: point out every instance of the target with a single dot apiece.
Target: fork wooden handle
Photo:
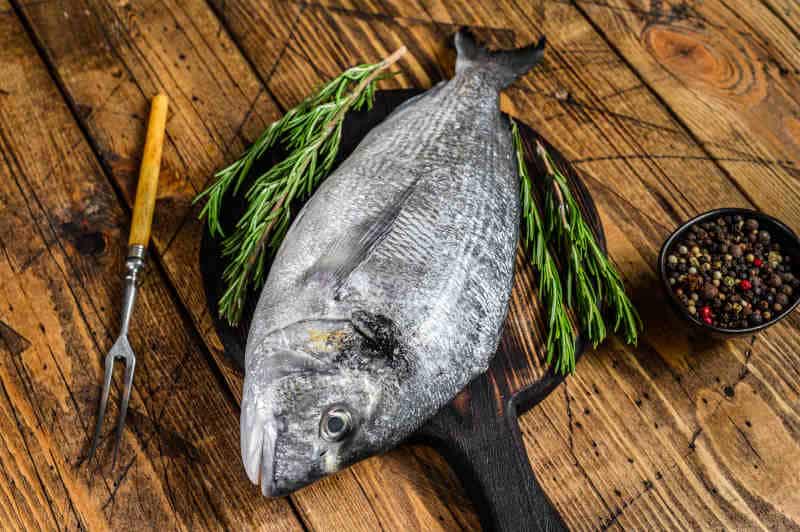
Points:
(148, 173)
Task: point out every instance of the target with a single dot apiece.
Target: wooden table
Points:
(671, 109)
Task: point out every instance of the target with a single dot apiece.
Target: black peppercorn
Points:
(710, 291)
(730, 272)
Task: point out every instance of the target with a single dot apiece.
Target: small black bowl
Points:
(790, 245)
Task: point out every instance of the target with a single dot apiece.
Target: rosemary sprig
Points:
(566, 227)
(311, 132)
(560, 336)
(591, 276)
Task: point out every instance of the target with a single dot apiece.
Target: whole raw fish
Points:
(391, 287)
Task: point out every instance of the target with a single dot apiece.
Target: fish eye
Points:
(335, 424)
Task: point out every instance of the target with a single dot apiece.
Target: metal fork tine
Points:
(101, 413)
(130, 365)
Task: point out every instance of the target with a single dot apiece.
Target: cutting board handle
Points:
(490, 461)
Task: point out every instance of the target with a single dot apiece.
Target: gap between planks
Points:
(152, 252)
(684, 126)
(223, 23)
(184, 314)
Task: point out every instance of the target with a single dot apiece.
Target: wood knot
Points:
(85, 242)
(710, 61)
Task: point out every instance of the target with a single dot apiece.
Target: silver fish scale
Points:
(444, 270)
(415, 233)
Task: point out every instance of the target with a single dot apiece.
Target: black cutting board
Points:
(477, 432)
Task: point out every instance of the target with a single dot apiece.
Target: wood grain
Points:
(588, 99)
(63, 243)
(729, 73)
(670, 108)
(787, 11)
(170, 47)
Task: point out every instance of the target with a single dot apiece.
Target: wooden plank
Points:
(628, 436)
(669, 371)
(787, 11)
(128, 51)
(26, 500)
(595, 115)
(62, 235)
(729, 71)
(634, 447)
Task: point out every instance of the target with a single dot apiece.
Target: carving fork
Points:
(137, 245)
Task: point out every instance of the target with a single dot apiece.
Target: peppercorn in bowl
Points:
(732, 271)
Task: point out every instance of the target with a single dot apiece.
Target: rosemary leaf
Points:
(593, 278)
(560, 335)
(311, 133)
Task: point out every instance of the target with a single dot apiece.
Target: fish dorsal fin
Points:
(351, 249)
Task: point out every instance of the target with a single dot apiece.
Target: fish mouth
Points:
(258, 436)
(260, 428)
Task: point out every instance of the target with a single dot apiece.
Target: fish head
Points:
(317, 398)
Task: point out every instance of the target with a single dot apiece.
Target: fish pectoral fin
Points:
(351, 249)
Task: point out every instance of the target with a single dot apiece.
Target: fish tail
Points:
(505, 65)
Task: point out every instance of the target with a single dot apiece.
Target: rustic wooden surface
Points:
(671, 108)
